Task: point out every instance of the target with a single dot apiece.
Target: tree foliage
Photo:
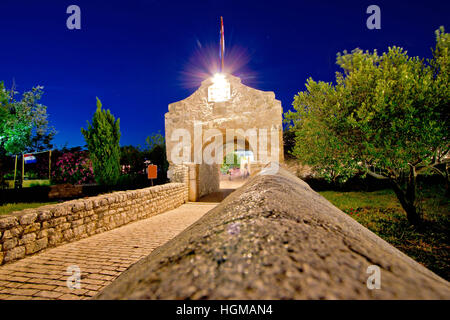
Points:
(24, 125)
(155, 152)
(132, 160)
(387, 116)
(228, 165)
(103, 138)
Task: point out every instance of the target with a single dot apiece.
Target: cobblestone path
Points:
(100, 258)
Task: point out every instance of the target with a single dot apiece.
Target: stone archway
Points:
(221, 111)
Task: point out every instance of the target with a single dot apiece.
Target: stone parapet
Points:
(276, 238)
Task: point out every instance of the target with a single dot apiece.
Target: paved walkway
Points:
(100, 258)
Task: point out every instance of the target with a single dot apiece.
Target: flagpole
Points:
(222, 40)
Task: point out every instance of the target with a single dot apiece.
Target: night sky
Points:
(139, 56)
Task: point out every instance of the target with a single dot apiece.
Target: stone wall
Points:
(276, 238)
(178, 173)
(29, 231)
(208, 179)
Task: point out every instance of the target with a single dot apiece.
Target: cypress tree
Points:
(102, 138)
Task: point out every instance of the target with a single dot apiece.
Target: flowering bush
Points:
(73, 168)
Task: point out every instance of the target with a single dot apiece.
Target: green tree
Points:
(155, 152)
(288, 142)
(24, 125)
(386, 116)
(156, 139)
(103, 138)
(132, 159)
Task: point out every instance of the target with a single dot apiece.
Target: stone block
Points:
(55, 239)
(27, 218)
(42, 234)
(9, 244)
(44, 215)
(62, 210)
(55, 222)
(27, 238)
(8, 222)
(78, 206)
(36, 246)
(14, 254)
(32, 227)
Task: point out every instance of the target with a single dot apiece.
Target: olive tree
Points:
(24, 125)
(386, 116)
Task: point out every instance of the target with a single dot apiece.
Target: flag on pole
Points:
(29, 158)
(222, 43)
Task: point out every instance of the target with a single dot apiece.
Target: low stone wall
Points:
(29, 231)
(276, 238)
(202, 179)
(61, 191)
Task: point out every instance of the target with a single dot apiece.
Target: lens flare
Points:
(205, 63)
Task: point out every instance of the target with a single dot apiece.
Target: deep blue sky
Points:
(138, 56)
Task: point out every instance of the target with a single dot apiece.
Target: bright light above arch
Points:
(220, 89)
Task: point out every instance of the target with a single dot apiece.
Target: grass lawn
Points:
(381, 212)
(10, 207)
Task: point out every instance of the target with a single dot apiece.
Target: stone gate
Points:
(222, 116)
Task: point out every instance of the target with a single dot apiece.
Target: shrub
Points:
(73, 168)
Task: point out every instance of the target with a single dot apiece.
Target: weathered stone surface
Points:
(36, 246)
(55, 238)
(14, 254)
(7, 234)
(8, 222)
(43, 233)
(27, 238)
(61, 210)
(44, 215)
(28, 218)
(68, 235)
(275, 238)
(31, 227)
(9, 244)
(78, 206)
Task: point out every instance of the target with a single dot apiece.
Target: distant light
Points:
(220, 89)
(219, 79)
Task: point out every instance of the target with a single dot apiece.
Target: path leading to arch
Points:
(226, 188)
(100, 258)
